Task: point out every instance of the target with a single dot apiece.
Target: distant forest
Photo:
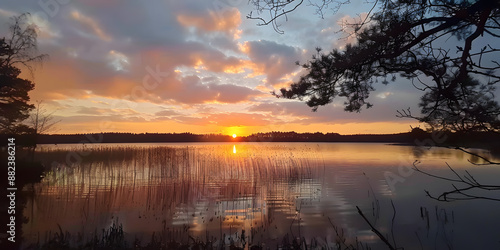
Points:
(189, 137)
(416, 137)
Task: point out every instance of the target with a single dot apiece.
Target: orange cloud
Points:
(275, 60)
(226, 21)
(92, 24)
(55, 82)
(216, 62)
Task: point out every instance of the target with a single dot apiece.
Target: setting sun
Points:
(234, 135)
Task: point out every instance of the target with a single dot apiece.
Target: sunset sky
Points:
(190, 66)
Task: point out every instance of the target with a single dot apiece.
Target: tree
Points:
(41, 120)
(476, 110)
(410, 38)
(18, 50)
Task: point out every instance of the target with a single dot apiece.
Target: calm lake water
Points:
(269, 190)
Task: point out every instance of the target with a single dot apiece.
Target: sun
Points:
(234, 135)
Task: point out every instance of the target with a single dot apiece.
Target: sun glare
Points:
(234, 135)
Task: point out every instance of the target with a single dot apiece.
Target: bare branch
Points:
(460, 193)
(488, 162)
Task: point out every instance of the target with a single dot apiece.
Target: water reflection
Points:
(268, 190)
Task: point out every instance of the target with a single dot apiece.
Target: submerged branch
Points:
(381, 237)
(461, 193)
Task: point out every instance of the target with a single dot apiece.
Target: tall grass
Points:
(175, 192)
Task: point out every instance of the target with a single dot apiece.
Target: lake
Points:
(262, 194)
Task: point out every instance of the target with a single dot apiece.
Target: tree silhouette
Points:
(41, 120)
(410, 38)
(17, 50)
(474, 110)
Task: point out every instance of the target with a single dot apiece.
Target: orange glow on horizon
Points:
(72, 125)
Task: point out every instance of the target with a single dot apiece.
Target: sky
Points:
(190, 66)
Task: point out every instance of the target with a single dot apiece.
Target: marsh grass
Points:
(114, 238)
(199, 195)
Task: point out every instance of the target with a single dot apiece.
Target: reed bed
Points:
(217, 190)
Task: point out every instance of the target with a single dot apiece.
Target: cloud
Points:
(191, 90)
(118, 60)
(213, 60)
(297, 111)
(167, 113)
(228, 93)
(384, 95)
(91, 24)
(210, 21)
(84, 61)
(101, 118)
(103, 53)
(125, 112)
(272, 59)
(345, 24)
(7, 13)
(91, 111)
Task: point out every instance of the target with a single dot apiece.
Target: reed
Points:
(201, 189)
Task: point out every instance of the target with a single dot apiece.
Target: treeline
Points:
(190, 137)
(131, 138)
(417, 136)
(328, 137)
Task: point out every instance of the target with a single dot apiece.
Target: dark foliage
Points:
(432, 42)
(16, 51)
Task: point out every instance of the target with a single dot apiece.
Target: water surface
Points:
(269, 190)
